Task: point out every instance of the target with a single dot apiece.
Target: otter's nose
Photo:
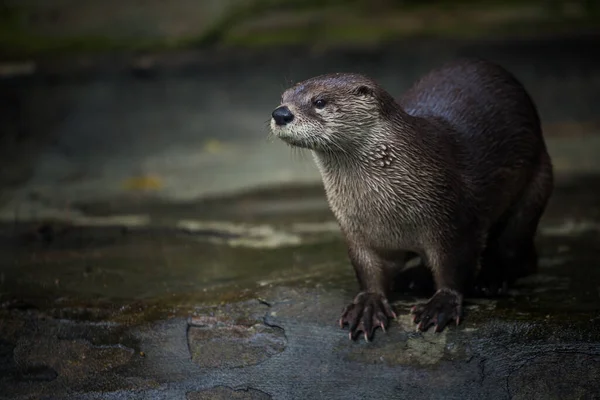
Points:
(282, 115)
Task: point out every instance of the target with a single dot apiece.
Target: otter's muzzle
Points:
(282, 116)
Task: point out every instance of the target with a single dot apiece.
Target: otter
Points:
(455, 171)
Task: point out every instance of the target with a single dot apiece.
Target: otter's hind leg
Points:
(414, 276)
(510, 252)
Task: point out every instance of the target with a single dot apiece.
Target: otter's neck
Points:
(383, 147)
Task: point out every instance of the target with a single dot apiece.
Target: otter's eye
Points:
(320, 104)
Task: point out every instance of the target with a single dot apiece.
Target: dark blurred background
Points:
(89, 77)
(51, 27)
(109, 106)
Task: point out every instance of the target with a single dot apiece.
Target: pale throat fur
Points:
(375, 176)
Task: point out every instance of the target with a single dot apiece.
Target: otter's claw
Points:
(443, 307)
(367, 312)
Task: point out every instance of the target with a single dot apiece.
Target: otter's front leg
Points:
(452, 271)
(370, 308)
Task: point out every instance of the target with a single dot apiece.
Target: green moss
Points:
(337, 21)
(442, 20)
(21, 44)
(18, 39)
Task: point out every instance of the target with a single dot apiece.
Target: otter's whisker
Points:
(297, 153)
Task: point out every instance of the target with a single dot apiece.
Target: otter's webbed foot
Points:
(367, 312)
(443, 307)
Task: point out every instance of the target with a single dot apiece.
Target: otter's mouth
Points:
(297, 142)
(293, 138)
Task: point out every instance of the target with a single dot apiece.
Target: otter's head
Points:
(333, 112)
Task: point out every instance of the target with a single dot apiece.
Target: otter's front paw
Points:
(366, 313)
(443, 307)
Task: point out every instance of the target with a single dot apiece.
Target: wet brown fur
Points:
(456, 170)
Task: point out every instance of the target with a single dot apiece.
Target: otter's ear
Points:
(363, 90)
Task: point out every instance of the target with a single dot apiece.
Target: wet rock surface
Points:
(242, 341)
(277, 336)
(139, 294)
(223, 393)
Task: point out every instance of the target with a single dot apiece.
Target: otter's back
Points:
(485, 104)
(493, 122)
